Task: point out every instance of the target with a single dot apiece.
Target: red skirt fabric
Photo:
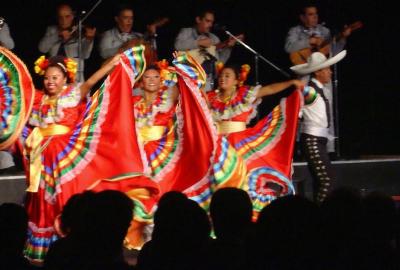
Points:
(100, 152)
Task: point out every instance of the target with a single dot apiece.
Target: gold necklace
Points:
(227, 98)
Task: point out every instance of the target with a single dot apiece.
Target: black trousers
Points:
(314, 150)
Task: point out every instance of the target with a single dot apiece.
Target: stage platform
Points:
(367, 175)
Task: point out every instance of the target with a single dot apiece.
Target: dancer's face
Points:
(151, 80)
(54, 81)
(227, 79)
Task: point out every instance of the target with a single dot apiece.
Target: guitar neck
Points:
(340, 35)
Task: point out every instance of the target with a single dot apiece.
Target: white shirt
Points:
(315, 118)
(51, 42)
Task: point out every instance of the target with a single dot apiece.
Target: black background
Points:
(368, 79)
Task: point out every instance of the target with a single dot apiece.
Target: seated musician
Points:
(5, 37)
(312, 34)
(203, 45)
(62, 39)
(122, 37)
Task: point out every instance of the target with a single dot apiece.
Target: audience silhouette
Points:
(286, 235)
(349, 230)
(231, 216)
(13, 234)
(181, 232)
(96, 224)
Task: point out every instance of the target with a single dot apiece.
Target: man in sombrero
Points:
(315, 121)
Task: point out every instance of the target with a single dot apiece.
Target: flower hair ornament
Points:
(219, 66)
(68, 65)
(243, 72)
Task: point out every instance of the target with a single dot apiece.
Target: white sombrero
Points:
(317, 61)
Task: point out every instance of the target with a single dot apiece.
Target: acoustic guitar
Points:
(210, 53)
(150, 52)
(203, 54)
(300, 57)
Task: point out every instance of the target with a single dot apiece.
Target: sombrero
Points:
(317, 61)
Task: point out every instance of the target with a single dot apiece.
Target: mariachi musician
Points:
(122, 37)
(5, 37)
(205, 46)
(62, 39)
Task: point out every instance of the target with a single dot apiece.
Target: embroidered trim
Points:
(145, 116)
(245, 100)
(46, 113)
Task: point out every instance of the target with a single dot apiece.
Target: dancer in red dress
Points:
(73, 142)
(267, 147)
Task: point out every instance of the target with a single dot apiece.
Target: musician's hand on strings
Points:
(347, 31)
(65, 34)
(315, 41)
(204, 42)
(232, 41)
(152, 28)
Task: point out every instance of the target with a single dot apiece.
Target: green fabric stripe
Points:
(267, 141)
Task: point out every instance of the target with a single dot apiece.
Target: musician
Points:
(200, 37)
(62, 39)
(5, 37)
(122, 37)
(311, 34)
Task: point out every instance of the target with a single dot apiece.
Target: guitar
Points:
(203, 54)
(300, 57)
(210, 53)
(150, 52)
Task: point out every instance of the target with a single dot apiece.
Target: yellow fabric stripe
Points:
(34, 150)
(226, 127)
(151, 133)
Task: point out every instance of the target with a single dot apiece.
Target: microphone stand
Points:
(257, 56)
(335, 101)
(81, 19)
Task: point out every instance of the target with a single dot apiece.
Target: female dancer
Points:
(176, 131)
(267, 147)
(73, 142)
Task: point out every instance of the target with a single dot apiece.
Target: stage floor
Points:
(381, 174)
(368, 175)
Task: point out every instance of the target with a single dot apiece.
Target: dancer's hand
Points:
(176, 54)
(298, 83)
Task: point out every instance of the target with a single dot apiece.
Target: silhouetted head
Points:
(231, 212)
(74, 212)
(13, 229)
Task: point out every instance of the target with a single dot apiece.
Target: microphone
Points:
(82, 13)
